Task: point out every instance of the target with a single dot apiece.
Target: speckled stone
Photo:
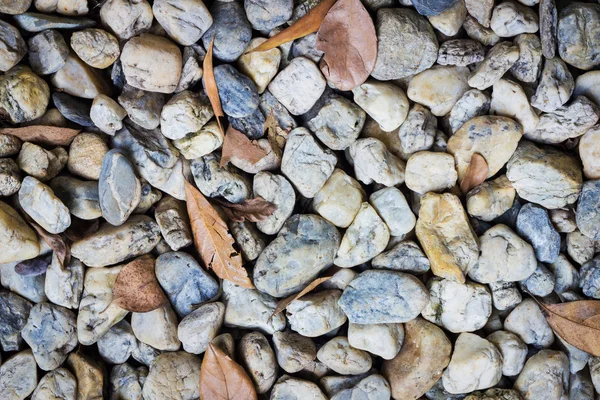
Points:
(279, 191)
(15, 7)
(373, 162)
(527, 321)
(545, 375)
(125, 18)
(534, 225)
(126, 382)
(9, 145)
(40, 203)
(460, 52)
(589, 278)
(578, 25)
(13, 46)
(80, 197)
(24, 96)
(239, 96)
(214, 181)
(119, 190)
(142, 107)
(497, 62)
(64, 284)
(231, 30)
(96, 47)
(540, 283)
(30, 287)
(472, 104)
(528, 66)
(252, 126)
(59, 384)
(173, 375)
(417, 132)
(14, 312)
(184, 20)
(588, 217)
(478, 32)
(316, 313)
(18, 376)
(10, 177)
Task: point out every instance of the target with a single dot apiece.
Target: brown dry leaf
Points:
(253, 210)
(576, 323)
(221, 378)
(237, 144)
(43, 134)
(56, 243)
(213, 240)
(348, 39)
(306, 25)
(211, 85)
(275, 134)
(136, 288)
(476, 173)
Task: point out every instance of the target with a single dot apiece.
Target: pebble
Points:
(126, 19)
(64, 284)
(334, 384)
(230, 29)
(51, 333)
(384, 340)
(587, 85)
(260, 67)
(173, 221)
(478, 32)
(30, 287)
(473, 103)
(201, 142)
(505, 295)
(85, 155)
(239, 96)
(544, 176)
(24, 96)
(14, 312)
(238, 314)
(395, 27)
(277, 190)
(372, 387)
(157, 328)
(72, 7)
(393, 208)
(192, 67)
(13, 46)
(496, 263)
(173, 375)
(491, 199)
(342, 358)
(126, 382)
(151, 63)
(528, 66)
(513, 351)
(460, 52)
(40, 203)
(119, 190)
(40, 163)
(545, 375)
(430, 172)
(548, 27)
(87, 42)
(418, 131)
(497, 62)
(540, 283)
(270, 105)
(249, 239)
(432, 7)
(566, 275)
(89, 375)
(59, 384)
(527, 321)
(449, 243)
(534, 225)
(213, 181)
(566, 122)
(293, 351)
(316, 314)
(450, 20)
(36, 22)
(259, 360)
(509, 100)
(511, 19)
(576, 24)
(117, 344)
(145, 354)
(9, 145)
(15, 7)
(555, 87)
(184, 20)
(373, 162)
(580, 247)
(385, 102)
(10, 177)
(355, 248)
(380, 296)
(142, 107)
(589, 274)
(589, 152)
(587, 214)
(252, 126)
(76, 78)
(80, 197)
(580, 386)
(73, 108)
(475, 364)
(481, 10)
(18, 376)
(198, 328)
(439, 88)
(419, 364)
(406, 256)
(290, 388)
(107, 114)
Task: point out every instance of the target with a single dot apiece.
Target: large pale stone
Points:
(392, 207)
(98, 48)
(509, 100)
(428, 171)
(342, 358)
(59, 384)
(528, 322)
(545, 375)
(64, 284)
(439, 88)
(513, 351)
(173, 375)
(42, 205)
(589, 152)
(373, 162)
(184, 20)
(17, 240)
(384, 340)
(473, 103)
(511, 19)
(78, 79)
(126, 18)
(258, 358)
(316, 313)
(18, 376)
(24, 96)
(339, 200)
(491, 199)
(185, 113)
(298, 86)
(261, 66)
(385, 102)
(157, 328)
(200, 143)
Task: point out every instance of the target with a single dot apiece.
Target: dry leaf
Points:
(211, 85)
(213, 240)
(56, 243)
(221, 378)
(306, 25)
(237, 144)
(476, 173)
(43, 134)
(348, 40)
(576, 322)
(136, 288)
(34, 267)
(275, 134)
(253, 210)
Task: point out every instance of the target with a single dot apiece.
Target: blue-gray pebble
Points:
(239, 96)
(541, 283)
(588, 210)
(231, 30)
(252, 126)
(265, 15)
(589, 278)
(119, 189)
(534, 225)
(432, 7)
(73, 108)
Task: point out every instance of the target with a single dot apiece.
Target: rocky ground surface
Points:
(432, 295)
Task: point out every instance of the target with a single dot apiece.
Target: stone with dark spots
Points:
(119, 190)
(579, 35)
(541, 283)
(406, 256)
(80, 197)
(42, 205)
(252, 126)
(589, 278)
(588, 210)
(143, 108)
(432, 7)
(14, 311)
(231, 30)
(548, 27)
(269, 104)
(24, 96)
(12, 48)
(73, 108)
(535, 226)
(10, 177)
(36, 22)
(116, 345)
(239, 96)
(460, 52)
(213, 180)
(265, 15)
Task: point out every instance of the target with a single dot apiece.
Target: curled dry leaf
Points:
(136, 288)
(221, 378)
(306, 25)
(213, 240)
(253, 210)
(476, 173)
(236, 144)
(56, 243)
(210, 85)
(43, 134)
(348, 40)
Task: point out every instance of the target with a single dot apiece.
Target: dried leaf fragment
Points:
(253, 210)
(348, 39)
(275, 134)
(210, 84)
(33, 267)
(476, 173)
(221, 378)
(136, 288)
(213, 240)
(306, 25)
(236, 144)
(56, 243)
(43, 134)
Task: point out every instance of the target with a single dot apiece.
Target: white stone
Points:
(383, 340)
(511, 19)
(513, 351)
(64, 285)
(340, 199)
(439, 87)
(496, 63)
(64, 7)
(374, 163)
(588, 85)
(279, 191)
(184, 20)
(126, 18)
(43, 206)
(385, 102)
(567, 276)
(293, 351)
(392, 207)
(173, 375)
(580, 247)
(373, 387)
(491, 199)
(589, 152)
(481, 10)
(201, 326)
(201, 142)
(427, 171)
(157, 328)
(505, 295)
(18, 376)
(545, 376)
(184, 113)
(473, 103)
(59, 384)
(316, 313)
(509, 100)
(528, 322)
(451, 19)
(338, 355)
(290, 388)
(555, 87)
(262, 66)
(107, 114)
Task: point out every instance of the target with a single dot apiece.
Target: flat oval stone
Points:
(588, 206)
(230, 29)
(339, 200)
(36, 22)
(119, 190)
(24, 96)
(18, 376)
(257, 356)
(239, 96)
(40, 203)
(73, 108)
(527, 321)
(80, 197)
(14, 311)
(534, 225)
(309, 238)
(379, 296)
(87, 42)
(577, 23)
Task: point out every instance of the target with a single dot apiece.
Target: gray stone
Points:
(51, 333)
(126, 383)
(396, 27)
(41, 163)
(36, 22)
(270, 105)
(64, 284)
(18, 376)
(497, 62)
(248, 238)
(373, 162)
(540, 283)
(291, 388)
(157, 328)
(505, 295)
(119, 190)
(230, 29)
(80, 197)
(588, 216)
(481, 33)
(528, 322)
(14, 311)
(265, 15)
(30, 287)
(238, 93)
(555, 87)
(40, 203)
(334, 384)
(192, 67)
(13, 47)
(33, 267)
(251, 126)
(589, 278)
(565, 274)
(548, 27)
(342, 358)
(277, 190)
(417, 132)
(513, 351)
(307, 47)
(461, 52)
(293, 351)
(10, 177)
(173, 375)
(545, 375)
(24, 96)
(173, 221)
(15, 7)
(58, 384)
(258, 358)
(125, 18)
(200, 327)
(379, 296)
(580, 247)
(117, 344)
(184, 20)
(150, 196)
(528, 66)
(214, 181)
(9, 145)
(142, 107)
(578, 26)
(317, 313)
(393, 208)
(145, 354)
(405, 256)
(73, 108)
(580, 386)
(534, 225)
(373, 387)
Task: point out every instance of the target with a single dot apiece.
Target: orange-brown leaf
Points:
(210, 85)
(236, 144)
(306, 25)
(56, 243)
(476, 173)
(348, 40)
(136, 288)
(43, 134)
(213, 240)
(253, 210)
(221, 378)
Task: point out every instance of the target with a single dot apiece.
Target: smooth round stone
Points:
(509, 100)
(511, 19)
(298, 86)
(587, 85)
(24, 96)
(113, 244)
(126, 382)
(64, 285)
(339, 200)
(51, 333)
(85, 155)
(373, 162)
(10, 177)
(491, 199)
(80, 197)
(157, 328)
(214, 181)
(198, 328)
(238, 93)
(40, 163)
(497, 263)
(107, 114)
(230, 29)
(76, 78)
(497, 62)
(184, 20)
(342, 358)
(588, 216)
(260, 67)
(249, 239)
(258, 358)
(460, 52)
(40, 203)
(15, 7)
(200, 143)
(279, 191)
(396, 27)
(59, 384)
(528, 66)
(555, 87)
(457, 307)
(184, 113)
(87, 42)
(142, 107)
(117, 344)
(265, 15)
(545, 375)
(473, 103)
(513, 351)
(589, 152)
(13, 47)
(475, 364)
(534, 225)
(541, 283)
(18, 376)
(173, 375)
(288, 387)
(316, 313)
(379, 296)
(405, 256)
(384, 340)
(393, 208)
(36, 22)
(119, 190)
(528, 322)
(374, 386)
(577, 24)
(293, 351)
(430, 172)
(73, 108)
(385, 102)
(125, 18)
(151, 63)
(303, 237)
(14, 311)
(449, 21)
(589, 278)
